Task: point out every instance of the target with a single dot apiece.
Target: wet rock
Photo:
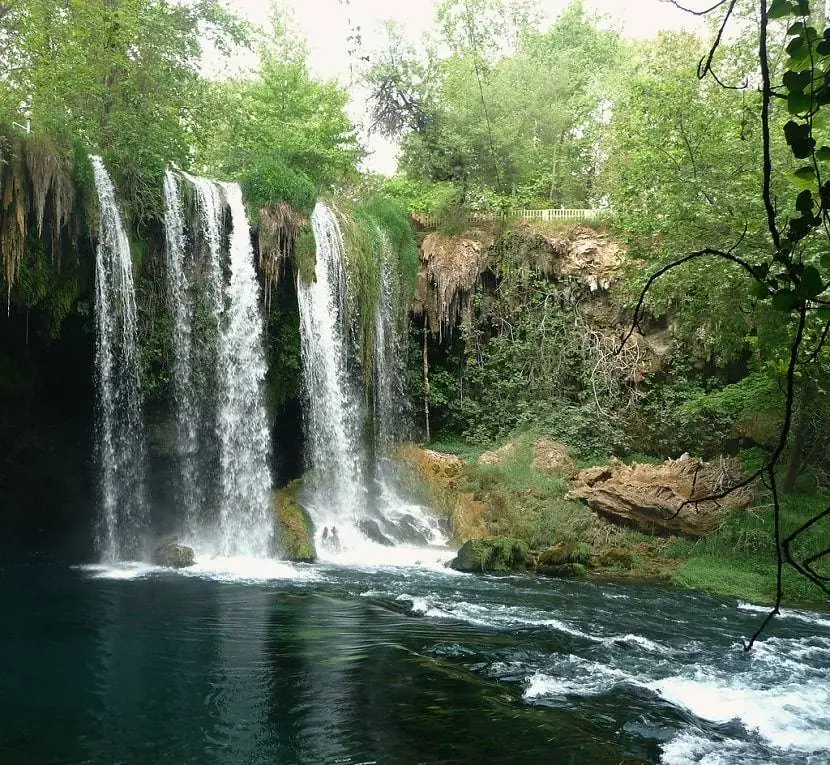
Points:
(371, 529)
(296, 537)
(565, 553)
(663, 499)
(173, 555)
(615, 557)
(500, 555)
(563, 570)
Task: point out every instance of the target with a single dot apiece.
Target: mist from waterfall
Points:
(119, 428)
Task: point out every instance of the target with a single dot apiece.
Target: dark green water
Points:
(337, 665)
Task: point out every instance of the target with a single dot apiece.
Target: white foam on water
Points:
(788, 716)
(808, 617)
(693, 747)
(579, 677)
(422, 607)
(251, 570)
(358, 552)
(123, 570)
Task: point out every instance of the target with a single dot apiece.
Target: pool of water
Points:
(261, 662)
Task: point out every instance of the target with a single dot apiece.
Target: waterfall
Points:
(219, 372)
(187, 420)
(332, 410)
(338, 494)
(246, 525)
(119, 440)
(389, 394)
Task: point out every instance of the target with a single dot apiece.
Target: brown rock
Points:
(662, 499)
(550, 456)
(498, 456)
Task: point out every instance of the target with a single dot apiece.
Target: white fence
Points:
(554, 214)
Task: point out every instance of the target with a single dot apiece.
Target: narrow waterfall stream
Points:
(339, 494)
(351, 520)
(119, 440)
(246, 526)
(178, 293)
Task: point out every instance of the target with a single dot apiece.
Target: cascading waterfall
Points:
(120, 447)
(332, 412)
(187, 419)
(339, 495)
(246, 524)
(218, 331)
(397, 519)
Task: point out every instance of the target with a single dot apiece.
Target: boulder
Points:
(565, 553)
(615, 557)
(296, 538)
(563, 570)
(498, 456)
(499, 556)
(552, 457)
(663, 500)
(173, 555)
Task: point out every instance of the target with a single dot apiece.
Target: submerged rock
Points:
(662, 499)
(296, 538)
(498, 556)
(173, 555)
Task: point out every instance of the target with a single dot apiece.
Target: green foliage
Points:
(739, 558)
(271, 181)
(512, 115)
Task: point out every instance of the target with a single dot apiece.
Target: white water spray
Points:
(120, 447)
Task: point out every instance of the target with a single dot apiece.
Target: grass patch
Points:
(739, 558)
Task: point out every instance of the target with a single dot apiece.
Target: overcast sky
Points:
(326, 25)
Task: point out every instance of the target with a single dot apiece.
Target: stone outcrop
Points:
(441, 477)
(173, 555)
(662, 499)
(296, 538)
(499, 556)
(552, 457)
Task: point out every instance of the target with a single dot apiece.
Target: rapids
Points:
(258, 661)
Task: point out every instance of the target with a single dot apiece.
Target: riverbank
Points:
(512, 494)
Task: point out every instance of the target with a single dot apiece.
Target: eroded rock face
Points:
(662, 499)
(551, 457)
(174, 555)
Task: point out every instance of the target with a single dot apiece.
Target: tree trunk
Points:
(426, 381)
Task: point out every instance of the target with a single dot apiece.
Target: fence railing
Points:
(554, 214)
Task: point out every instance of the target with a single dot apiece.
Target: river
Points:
(245, 661)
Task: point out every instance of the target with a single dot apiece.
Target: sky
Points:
(326, 25)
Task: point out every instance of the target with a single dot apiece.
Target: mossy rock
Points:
(566, 553)
(567, 570)
(615, 557)
(498, 556)
(296, 539)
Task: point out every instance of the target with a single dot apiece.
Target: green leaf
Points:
(796, 80)
(784, 300)
(804, 201)
(799, 102)
(823, 154)
(758, 289)
(780, 9)
(804, 177)
(811, 282)
(825, 261)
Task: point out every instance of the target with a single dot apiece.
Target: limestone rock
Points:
(498, 456)
(563, 570)
(550, 457)
(296, 539)
(662, 499)
(173, 555)
(500, 556)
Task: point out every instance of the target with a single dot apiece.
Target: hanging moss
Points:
(279, 230)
